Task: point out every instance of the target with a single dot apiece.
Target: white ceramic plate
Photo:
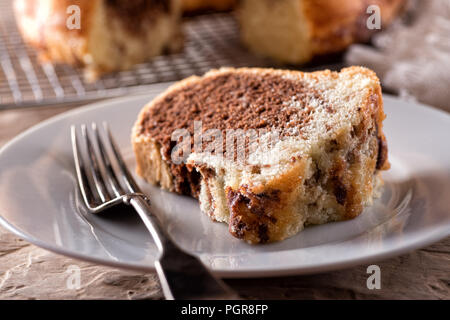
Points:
(40, 202)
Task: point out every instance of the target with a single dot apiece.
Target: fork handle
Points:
(182, 275)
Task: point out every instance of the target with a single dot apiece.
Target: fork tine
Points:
(126, 175)
(110, 174)
(94, 168)
(80, 169)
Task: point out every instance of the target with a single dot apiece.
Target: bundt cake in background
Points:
(294, 31)
(113, 35)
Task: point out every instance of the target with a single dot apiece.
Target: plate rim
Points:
(415, 244)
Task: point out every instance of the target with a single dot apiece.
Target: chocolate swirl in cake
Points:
(231, 101)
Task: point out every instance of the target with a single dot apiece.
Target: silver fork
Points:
(181, 274)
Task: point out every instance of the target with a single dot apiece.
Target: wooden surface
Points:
(28, 272)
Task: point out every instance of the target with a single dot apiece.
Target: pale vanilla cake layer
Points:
(294, 31)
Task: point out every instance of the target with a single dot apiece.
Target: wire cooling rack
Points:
(211, 41)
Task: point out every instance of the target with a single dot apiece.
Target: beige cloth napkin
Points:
(412, 57)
